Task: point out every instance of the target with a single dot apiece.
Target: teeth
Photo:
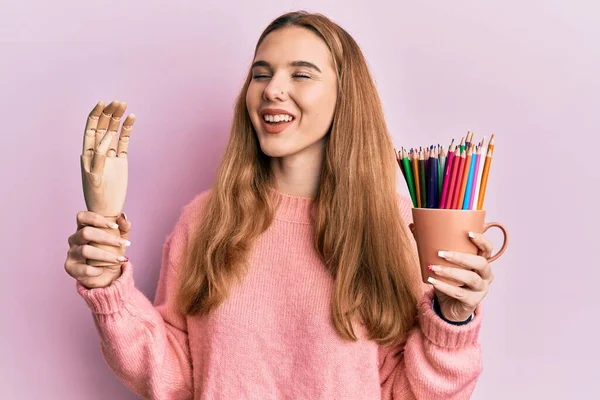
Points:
(277, 118)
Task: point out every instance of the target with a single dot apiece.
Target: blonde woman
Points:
(294, 276)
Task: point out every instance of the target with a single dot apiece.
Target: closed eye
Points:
(263, 76)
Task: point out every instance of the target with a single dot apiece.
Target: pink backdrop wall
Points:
(526, 70)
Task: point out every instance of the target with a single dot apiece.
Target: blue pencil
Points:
(465, 204)
(432, 182)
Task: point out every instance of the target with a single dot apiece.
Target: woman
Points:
(294, 276)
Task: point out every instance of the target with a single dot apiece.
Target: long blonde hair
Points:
(366, 248)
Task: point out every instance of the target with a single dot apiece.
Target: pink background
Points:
(525, 70)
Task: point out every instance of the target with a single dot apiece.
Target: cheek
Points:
(249, 101)
(318, 106)
(253, 96)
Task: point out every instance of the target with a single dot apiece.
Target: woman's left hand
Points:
(458, 303)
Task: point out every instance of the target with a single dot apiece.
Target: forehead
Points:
(294, 43)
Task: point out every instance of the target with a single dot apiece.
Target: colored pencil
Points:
(409, 174)
(455, 177)
(474, 184)
(415, 168)
(486, 172)
(400, 163)
(468, 188)
(441, 165)
(430, 183)
(457, 182)
(479, 173)
(447, 175)
(422, 178)
(434, 178)
(463, 181)
(426, 160)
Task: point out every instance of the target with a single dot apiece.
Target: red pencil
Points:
(448, 170)
(459, 174)
(453, 176)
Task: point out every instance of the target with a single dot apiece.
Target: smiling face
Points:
(291, 98)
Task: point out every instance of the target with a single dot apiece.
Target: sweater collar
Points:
(293, 208)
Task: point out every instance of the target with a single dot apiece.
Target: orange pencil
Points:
(486, 171)
(463, 181)
(415, 165)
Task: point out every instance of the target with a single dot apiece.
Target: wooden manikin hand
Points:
(104, 164)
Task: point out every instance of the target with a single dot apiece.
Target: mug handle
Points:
(504, 243)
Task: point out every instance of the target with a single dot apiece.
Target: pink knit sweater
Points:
(272, 338)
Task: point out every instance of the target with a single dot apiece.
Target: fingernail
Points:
(125, 243)
(434, 268)
(442, 254)
(431, 280)
(112, 225)
(471, 235)
(125, 216)
(122, 259)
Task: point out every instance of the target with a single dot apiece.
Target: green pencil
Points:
(409, 177)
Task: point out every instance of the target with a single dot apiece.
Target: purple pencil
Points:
(475, 175)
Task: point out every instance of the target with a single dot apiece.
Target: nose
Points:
(276, 90)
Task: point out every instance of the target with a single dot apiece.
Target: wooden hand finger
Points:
(89, 136)
(124, 137)
(100, 154)
(104, 120)
(113, 126)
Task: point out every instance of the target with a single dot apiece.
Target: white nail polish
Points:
(126, 243)
(431, 280)
(442, 254)
(113, 225)
(471, 235)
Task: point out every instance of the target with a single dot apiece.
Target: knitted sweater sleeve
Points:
(438, 360)
(144, 344)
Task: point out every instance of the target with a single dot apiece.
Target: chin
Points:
(276, 152)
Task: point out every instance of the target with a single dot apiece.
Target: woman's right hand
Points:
(89, 230)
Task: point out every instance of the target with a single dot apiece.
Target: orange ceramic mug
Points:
(447, 229)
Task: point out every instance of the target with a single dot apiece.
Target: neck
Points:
(299, 174)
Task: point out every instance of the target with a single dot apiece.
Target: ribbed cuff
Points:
(110, 299)
(436, 307)
(444, 334)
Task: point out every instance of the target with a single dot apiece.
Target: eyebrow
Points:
(262, 63)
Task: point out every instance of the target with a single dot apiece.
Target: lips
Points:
(277, 127)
